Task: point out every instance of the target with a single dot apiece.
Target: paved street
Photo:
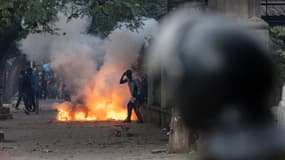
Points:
(37, 137)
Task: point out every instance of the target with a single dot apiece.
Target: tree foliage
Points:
(32, 15)
(109, 14)
(277, 35)
(36, 15)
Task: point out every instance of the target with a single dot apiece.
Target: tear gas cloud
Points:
(76, 56)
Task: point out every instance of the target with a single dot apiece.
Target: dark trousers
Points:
(135, 106)
(20, 97)
(29, 100)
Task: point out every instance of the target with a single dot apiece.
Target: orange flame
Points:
(105, 99)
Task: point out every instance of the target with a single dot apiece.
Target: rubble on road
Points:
(154, 151)
(47, 150)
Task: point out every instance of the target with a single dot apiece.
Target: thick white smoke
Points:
(75, 55)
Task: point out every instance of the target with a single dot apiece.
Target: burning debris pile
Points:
(102, 99)
(89, 66)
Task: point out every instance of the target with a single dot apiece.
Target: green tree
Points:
(105, 17)
(20, 17)
(37, 15)
(277, 35)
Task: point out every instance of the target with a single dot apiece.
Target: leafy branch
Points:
(36, 16)
(277, 35)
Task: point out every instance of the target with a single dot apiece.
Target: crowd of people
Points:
(27, 90)
(40, 82)
(36, 83)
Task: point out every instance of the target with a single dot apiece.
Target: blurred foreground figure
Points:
(221, 78)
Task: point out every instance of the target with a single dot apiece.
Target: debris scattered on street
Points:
(155, 151)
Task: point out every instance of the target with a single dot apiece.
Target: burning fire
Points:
(72, 112)
(104, 99)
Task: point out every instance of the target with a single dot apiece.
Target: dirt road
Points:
(40, 137)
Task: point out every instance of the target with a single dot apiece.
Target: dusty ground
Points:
(40, 137)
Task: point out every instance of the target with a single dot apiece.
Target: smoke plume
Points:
(89, 65)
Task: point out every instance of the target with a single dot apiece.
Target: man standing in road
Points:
(135, 90)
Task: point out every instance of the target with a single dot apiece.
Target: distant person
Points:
(35, 93)
(40, 84)
(20, 88)
(28, 91)
(65, 93)
(135, 90)
(43, 92)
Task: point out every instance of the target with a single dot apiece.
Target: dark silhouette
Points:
(35, 88)
(66, 93)
(28, 91)
(20, 88)
(135, 90)
(43, 92)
